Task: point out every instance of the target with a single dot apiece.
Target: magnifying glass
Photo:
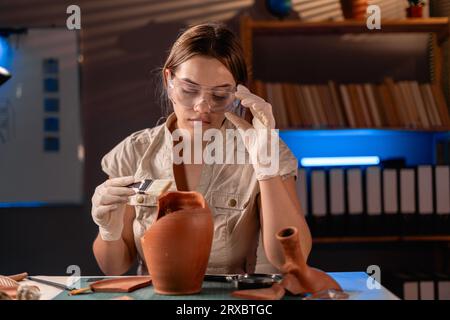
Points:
(247, 281)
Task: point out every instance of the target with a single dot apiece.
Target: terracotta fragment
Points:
(126, 284)
(122, 298)
(8, 286)
(276, 292)
(19, 277)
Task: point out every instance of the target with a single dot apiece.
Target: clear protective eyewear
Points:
(189, 95)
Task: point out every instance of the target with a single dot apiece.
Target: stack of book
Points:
(376, 201)
(403, 104)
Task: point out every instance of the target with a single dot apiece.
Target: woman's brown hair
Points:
(213, 40)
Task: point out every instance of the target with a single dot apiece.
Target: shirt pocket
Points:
(232, 205)
(228, 202)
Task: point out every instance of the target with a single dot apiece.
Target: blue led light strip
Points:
(339, 161)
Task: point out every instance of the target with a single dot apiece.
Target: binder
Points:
(402, 284)
(336, 191)
(407, 191)
(354, 191)
(373, 187)
(426, 219)
(302, 189)
(410, 290)
(318, 202)
(390, 219)
(318, 190)
(426, 286)
(442, 183)
(355, 205)
(442, 194)
(374, 202)
(442, 282)
(408, 201)
(425, 184)
(390, 200)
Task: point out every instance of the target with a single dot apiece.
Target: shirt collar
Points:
(226, 124)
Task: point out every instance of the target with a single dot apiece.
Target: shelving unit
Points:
(438, 28)
(438, 238)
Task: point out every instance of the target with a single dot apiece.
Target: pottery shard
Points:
(8, 286)
(126, 284)
(276, 292)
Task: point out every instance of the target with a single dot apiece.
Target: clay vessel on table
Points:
(298, 277)
(177, 246)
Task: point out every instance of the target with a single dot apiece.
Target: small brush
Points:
(151, 187)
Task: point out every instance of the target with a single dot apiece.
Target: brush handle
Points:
(79, 291)
(50, 283)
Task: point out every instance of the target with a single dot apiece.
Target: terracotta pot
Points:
(414, 12)
(177, 246)
(355, 9)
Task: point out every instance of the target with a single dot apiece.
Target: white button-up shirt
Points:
(231, 191)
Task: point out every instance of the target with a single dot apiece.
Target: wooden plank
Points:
(434, 25)
(246, 33)
(444, 238)
(431, 129)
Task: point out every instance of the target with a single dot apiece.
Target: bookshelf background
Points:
(404, 55)
(397, 105)
(309, 68)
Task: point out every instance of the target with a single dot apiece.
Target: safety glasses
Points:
(190, 95)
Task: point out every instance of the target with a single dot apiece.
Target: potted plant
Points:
(415, 9)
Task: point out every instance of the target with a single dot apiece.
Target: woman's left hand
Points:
(261, 110)
(263, 122)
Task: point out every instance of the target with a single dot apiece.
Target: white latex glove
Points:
(263, 121)
(108, 206)
(261, 109)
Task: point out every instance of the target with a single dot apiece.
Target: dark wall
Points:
(123, 43)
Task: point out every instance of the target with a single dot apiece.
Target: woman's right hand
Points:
(108, 206)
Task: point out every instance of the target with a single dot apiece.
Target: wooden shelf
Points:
(434, 129)
(434, 25)
(378, 239)
(439, 28)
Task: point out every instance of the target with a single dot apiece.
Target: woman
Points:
(203, 75)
